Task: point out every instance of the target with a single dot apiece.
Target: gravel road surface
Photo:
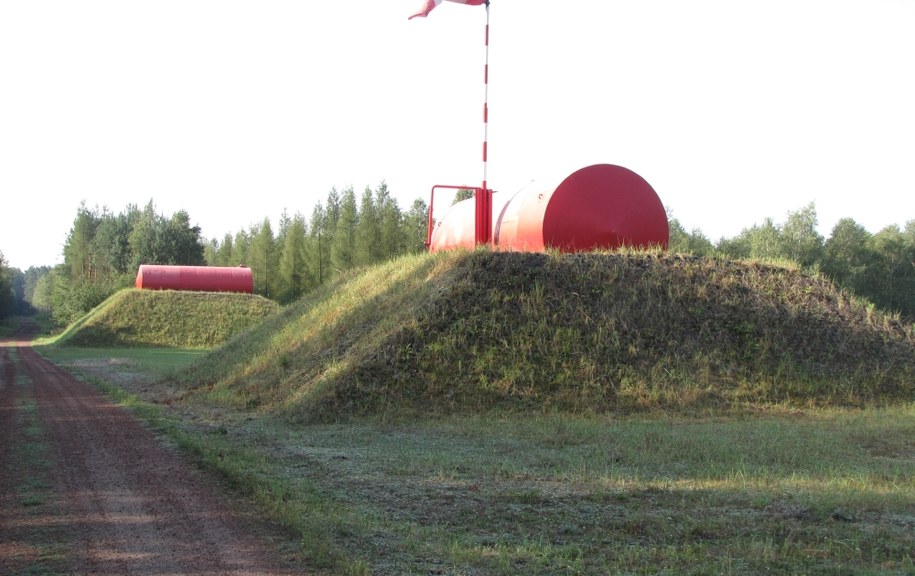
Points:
(115, 499)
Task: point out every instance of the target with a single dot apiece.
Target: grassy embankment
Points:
(167, 318)
(481, 331)
(513, 413)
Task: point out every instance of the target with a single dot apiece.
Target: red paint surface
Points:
(597, 207)
(195, 278)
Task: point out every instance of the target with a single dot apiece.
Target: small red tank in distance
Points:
(195, 278)
(597, 207)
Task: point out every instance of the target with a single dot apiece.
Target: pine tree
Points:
(144, 238)
(240, 249)
(329, 228)
(368, 231)
(211, 252)
(319, 246)
(393, 239)
(344, 241)
(415, 227)
(224, 253)
(111, 245)
(333, 208)
(262, 259)
(294, 272)
(78, 255)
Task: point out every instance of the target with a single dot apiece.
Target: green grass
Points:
(488, 413)
(821, 491)
(472, 332)
(174, 319)
(158, 362)
(536, 488)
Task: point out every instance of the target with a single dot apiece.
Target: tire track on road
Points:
(132, 506)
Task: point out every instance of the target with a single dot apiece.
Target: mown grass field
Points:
(820, 491)
(540, 414)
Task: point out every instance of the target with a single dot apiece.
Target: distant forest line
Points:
(103, 251)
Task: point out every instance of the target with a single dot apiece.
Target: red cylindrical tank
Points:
(597, 207)
(199, 278)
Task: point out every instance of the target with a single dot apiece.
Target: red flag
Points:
(429, 5)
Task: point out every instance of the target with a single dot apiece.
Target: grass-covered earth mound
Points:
(469, 332)
(168, 318)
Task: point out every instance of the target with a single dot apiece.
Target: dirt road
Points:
(85, 489)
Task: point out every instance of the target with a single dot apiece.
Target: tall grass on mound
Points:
(479, 331)
(301, 354)
(171, 318)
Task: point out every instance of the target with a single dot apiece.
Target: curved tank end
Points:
(455, 229)
(604, 207)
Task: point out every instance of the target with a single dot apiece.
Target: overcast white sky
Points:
(733, 111)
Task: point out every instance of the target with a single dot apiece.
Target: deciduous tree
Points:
(799, 237)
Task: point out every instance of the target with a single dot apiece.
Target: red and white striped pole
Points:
(486, 95)
(484, 195)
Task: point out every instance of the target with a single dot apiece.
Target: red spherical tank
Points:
(597, 207)
(195, 278)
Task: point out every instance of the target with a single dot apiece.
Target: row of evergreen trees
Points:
(103, 251)
(879, 267)
(342, 233)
